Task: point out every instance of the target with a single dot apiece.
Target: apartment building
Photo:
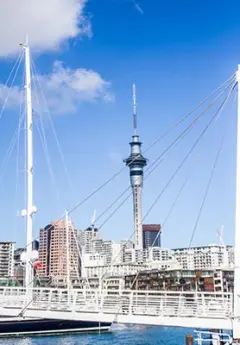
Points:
(159, 254)
(7, 259)
(53, 250)
(205, 257)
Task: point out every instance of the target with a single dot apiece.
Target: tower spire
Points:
(136, 163)
(134, 110)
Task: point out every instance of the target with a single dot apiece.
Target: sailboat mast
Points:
(29, 128)
(236, 323)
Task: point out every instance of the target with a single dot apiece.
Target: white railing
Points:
(126, 302)
(215, 338)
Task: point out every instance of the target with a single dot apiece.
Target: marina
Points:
(31, 310)
(70, 284)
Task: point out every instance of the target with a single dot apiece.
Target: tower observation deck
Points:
(136, 163)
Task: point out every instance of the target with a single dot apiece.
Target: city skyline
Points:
(94, 136)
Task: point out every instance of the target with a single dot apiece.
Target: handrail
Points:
(122, 302)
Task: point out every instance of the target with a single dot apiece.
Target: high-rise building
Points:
(19, 266)
(53, 251)
(7, 259)
(151, 235)
(136, 162)
(87, 237)
(35, 245)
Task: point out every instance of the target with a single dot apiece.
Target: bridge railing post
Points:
(130, 308)
(101, 297)
(161, 305)
(73, 300)
(179, 305)
(49, 299)
(203, 304)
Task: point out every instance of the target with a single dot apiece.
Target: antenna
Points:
(220, 235)
(134, 110)
(93, 220)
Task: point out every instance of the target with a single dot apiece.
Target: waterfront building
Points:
(205, 257)
(182, 280)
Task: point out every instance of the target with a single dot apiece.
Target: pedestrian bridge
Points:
(162, 308)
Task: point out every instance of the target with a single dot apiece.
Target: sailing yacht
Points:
(21, 325)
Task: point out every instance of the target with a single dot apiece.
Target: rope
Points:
(214, 118)
(17, 66)
(157, 161)
(165, 151)
(156, 141)
(229, 82)
(210, 179)
(52, 126)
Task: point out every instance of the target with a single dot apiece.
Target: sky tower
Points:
(136, 162)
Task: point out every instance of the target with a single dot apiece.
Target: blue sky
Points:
(176, 53)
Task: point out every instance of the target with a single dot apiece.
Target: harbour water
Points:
(121, 335)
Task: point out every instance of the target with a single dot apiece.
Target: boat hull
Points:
(40, 327)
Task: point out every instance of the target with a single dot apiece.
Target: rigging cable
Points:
(17, 66)
(212, 120)
(207, 188)
(217, 113)
(43, 138)
(206, 192)
(158, 160)
(52, 126)
(181, 189)
(9, 151)
(174, 126)
(172, 145)
(229, 80)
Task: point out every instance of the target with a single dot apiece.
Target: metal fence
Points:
(125, 302)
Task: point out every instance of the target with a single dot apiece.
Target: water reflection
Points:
(121, 335)
(16, 341)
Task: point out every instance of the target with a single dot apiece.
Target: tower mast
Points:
(136, 162)
(134, 111)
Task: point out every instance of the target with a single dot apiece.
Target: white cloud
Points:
(48, 23)
(138, 8)
(64, 89)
